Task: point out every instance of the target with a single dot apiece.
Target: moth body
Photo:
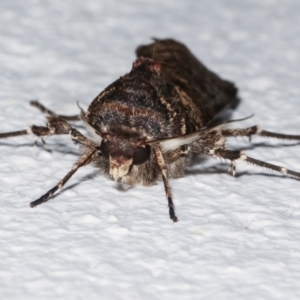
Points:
(146, 125)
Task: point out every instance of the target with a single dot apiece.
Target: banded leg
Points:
(161, 163)
(235, 155)
(45, 110)
(55, 126)
(177, 153)
(78, 137)
(256, 130)
(84, 160)
(38, 131)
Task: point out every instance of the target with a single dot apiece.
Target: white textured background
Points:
(238, 238)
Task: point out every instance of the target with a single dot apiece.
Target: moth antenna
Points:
(238, 120)
(78, 105)
(215, 125)
(82, 112)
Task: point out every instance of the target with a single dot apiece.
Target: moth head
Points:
(123, 155)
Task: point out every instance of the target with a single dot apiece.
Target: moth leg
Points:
(38, 131)
(55, 126)
(177, 153)
(232, 167)
(161, 163)
(257, 130)
(45, 110)
(78, 137)
(84, 160)
(236, 154)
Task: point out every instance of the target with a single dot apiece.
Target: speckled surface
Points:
(238, 237)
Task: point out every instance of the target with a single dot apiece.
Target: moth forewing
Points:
(204, 137)
(176, 142)
(146, 125)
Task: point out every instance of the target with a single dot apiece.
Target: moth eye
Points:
(141, 155)
(104, 148)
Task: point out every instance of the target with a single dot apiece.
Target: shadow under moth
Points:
(146, 126)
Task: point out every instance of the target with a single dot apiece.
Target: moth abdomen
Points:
(202, 93)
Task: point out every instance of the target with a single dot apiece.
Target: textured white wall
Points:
(238, 238)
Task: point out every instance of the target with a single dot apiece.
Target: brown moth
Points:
(146, 125)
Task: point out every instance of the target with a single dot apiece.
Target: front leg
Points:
(55, 126)
(161, 163)
(84, 160)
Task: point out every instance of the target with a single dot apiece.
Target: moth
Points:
(146, 125)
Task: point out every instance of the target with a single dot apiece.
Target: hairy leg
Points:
(257, 130)
(234, 155)
(84, 160)
(45, 110)
(161, 163)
